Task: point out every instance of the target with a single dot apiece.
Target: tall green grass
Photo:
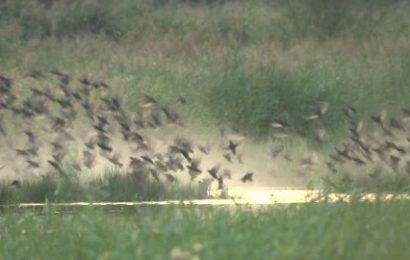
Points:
(322, 230)
(113, 186)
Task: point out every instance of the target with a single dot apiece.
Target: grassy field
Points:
(239, 63)
(312, 231)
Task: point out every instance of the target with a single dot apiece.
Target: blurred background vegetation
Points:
(239, 63)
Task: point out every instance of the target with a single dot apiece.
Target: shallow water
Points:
(237, 196)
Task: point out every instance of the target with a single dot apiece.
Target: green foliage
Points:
(231, 19)
(324, 19)
(356, 230)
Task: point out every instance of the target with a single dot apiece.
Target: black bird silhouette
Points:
(55, 165)
(154, 174)
(214, 171)
(104, 146)
(248, 177)
(147, 159)
(22, 152)
(33, 164)
(58, 123)
(16, 183)
(115, 159)
(228, 157)
(193, 169)
(31, 137)
(185, 154)
(232, 147)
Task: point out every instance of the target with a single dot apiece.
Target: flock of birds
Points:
(378, 146)
(83, 120)
(60, 117)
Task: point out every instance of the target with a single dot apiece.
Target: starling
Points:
(319, 112)
(232, 147)
(147, 159)
(170, 177)
(350, 112)
(16, 183)
(379, 118)
(33, 164)
(282, 121)
(248, 177)
(55, 165)
(148, 101)
(214, 172)
(182, 100)
(276, 151)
